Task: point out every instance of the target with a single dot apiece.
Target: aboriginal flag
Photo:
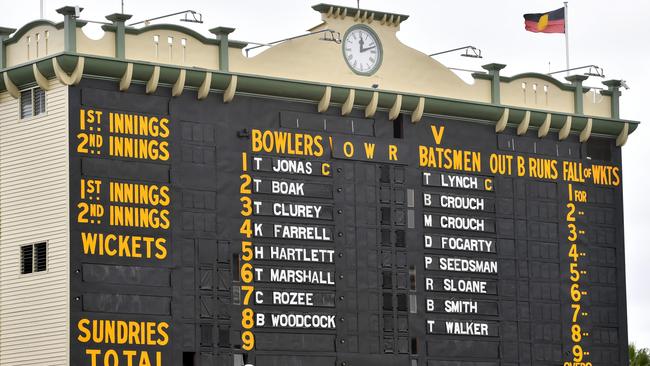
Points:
(551, 22)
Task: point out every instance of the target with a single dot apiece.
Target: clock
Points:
(362, 50)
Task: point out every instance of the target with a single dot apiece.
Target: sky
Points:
(610, 34)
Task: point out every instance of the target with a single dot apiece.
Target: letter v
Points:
(437, 134)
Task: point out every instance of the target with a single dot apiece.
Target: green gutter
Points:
(111, 68)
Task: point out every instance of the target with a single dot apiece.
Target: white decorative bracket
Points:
(179, 85)
(349, 103)
(152, 84)
(586, 132)
(396, 108)
(545, 127)
(566, 129)
(204, 89)
(418, 112)
(12, 89)
(523, 125)
(125, 81)
(229, 93)
(503, 121)
(371, 108)
(72, 79)
(622, 136)
(324, 103)
(40, 79)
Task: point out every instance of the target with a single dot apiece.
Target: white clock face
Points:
(362, 50)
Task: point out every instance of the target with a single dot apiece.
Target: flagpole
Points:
(566, 34)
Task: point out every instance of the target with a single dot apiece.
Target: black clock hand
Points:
(360, 44)
(366, 49)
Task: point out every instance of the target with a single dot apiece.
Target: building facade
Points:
(338, 199)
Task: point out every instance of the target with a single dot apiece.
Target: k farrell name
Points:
(298, 232)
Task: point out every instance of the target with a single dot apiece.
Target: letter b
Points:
(260, 321)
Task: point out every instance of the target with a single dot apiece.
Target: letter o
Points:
(348, 149)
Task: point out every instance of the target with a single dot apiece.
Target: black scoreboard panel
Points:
(259, 232)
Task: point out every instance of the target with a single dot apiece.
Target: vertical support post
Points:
(222, 36)
(578, 96)
(493, 71)
(120, 33)
(69, 27)
(613, 90)
(566, 34)
(4, 34)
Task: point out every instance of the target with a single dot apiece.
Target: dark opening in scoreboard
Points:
(260, 232)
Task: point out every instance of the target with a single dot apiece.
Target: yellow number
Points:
(249, 291)
(247, 250)
(575, 292)
(247, 207)
(576, 333)
(247, 321)
(575, 274)
(81, 218)
(245, 228)
(572, 210)
(246, 273)
(576, 311)
(573, 234)
(244, 162)
(245, 185)
(573, 252)
(577, 353)
(81, 148)
(248, 340)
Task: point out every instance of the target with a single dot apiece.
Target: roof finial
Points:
(358, 7)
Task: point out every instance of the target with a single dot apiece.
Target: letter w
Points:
(370, 150)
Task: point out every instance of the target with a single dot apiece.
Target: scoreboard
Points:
(260, 232)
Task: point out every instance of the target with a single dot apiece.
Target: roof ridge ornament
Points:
(336, 11)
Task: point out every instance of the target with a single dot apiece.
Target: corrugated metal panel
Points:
(34, 171)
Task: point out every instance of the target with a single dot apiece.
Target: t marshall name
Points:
(299, 276)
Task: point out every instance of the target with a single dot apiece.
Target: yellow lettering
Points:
(392, 152)
(437, 134)
(521, 166)
(370, 150)
(450, 159)
(82, 325)
(325, 169)
(93, 353)
(348, 149)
